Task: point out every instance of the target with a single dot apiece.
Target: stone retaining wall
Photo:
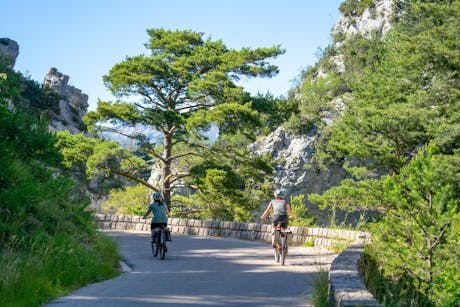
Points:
(245, 231)
(345, 285)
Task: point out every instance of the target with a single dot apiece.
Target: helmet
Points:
(279, 193)
(156, 196)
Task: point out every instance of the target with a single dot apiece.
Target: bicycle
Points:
(281, 235)
(159, 244)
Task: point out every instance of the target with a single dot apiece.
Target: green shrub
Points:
(301, 215)
(129, 201)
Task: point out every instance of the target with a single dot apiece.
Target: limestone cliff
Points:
(72, 106)
(9, 50)
(294, 170)
(375, 19)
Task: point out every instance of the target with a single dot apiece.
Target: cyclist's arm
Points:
(147, 213)
(264, 215)
(167, 212)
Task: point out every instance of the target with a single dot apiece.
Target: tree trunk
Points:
(166, 169)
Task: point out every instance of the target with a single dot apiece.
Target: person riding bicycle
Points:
(281, 208)
(160, 212)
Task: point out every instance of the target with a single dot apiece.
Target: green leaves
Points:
(185, 84)
(419, 232)
(405, 95)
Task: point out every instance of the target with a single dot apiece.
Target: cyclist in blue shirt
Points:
(160, 212)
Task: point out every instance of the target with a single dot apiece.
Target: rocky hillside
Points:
(295, 171)
(72, 103)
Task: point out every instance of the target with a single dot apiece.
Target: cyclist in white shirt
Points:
(281, 208)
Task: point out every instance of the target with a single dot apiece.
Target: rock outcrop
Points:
(294, 169)
(72, 107)
(9, 50)
(376, 19)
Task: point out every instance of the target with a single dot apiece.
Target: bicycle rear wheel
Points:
(154, 249)
(277, 254)
(162, 245)
(283, 250)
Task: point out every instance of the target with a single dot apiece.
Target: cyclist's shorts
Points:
(280, 218)
(157, 225)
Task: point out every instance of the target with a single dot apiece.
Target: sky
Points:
(84, 39)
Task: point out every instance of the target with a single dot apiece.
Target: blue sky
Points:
(84, 39)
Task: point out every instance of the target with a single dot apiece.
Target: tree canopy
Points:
(179, 89)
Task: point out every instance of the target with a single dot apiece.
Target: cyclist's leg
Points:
(276, 225)
(284, 222)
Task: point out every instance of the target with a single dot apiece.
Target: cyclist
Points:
(160, 212)
(281, 208)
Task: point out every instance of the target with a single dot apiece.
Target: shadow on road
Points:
(205, 271)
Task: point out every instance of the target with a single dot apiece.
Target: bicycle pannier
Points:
(168, 234)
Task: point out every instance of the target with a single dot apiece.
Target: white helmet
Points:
(279, 193)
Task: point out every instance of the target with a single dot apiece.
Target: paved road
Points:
(205, 271)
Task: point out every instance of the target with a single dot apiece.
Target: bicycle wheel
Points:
(154, 249)
(277, 254)
(162, 246)
(283, 250)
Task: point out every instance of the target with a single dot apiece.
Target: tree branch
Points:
(129, 176)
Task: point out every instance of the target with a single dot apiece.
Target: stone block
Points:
(226, 225)
(215, 225)
(235, 226)
(207, 224)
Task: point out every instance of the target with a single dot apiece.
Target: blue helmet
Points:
(156, 196)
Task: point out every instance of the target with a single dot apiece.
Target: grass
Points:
(320, 289)
(309, 242)
(52, 268)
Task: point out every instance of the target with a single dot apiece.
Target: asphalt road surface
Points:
(205, 271)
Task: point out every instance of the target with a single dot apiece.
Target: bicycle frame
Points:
(159, 246)
(282, 251)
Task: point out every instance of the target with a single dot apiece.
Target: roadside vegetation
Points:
(397, 134)
(48, 242)
(399, 140)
